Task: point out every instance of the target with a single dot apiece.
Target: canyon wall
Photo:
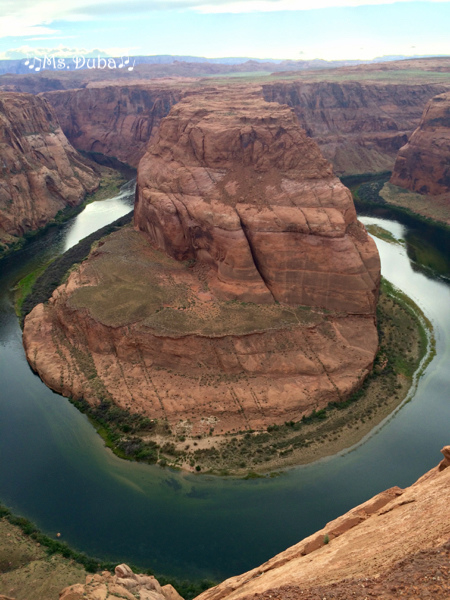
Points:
(246, 295)
(41, 173)
(423, 164)
(116, 120)
(359, 127)
(395, 545)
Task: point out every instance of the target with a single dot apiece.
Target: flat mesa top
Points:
(126, 281)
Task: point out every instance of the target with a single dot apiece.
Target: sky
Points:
(282, 29)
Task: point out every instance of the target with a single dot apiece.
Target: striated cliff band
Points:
(244, 297)
(423, 164)
(359, 124)
(395, 545)
(116, 120)
(41, 173)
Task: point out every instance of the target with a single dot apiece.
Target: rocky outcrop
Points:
(41, 173)
(423, 164)
(117, 119)
(359, 127)
(397, 544)
(239, 187)
(124, 584)
(246, 298)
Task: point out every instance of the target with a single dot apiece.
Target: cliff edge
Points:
(423, 164)
(41, 173)
(395, 545)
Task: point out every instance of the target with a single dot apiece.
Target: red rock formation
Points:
(254, 223)
(423, 164)
(40, 171)
(359, 127)
(124, 584)
(238, 186)
(376, 550)
(116, 120)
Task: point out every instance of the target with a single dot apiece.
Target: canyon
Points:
(41, 172)
(252, 292)
(359, 126)
(360, 116)
(115, 120)
(245, 296)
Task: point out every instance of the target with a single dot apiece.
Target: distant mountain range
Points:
(22, 66)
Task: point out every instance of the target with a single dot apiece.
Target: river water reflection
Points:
(55, 470)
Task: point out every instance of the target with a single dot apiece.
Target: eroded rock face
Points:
(41, 173)
(124, 584)
(116, 120)
(423, 164)
(363, 553)
(146, 332)
(194, 317)
(238, 186)
(359, 127)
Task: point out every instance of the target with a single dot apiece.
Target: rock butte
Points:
(423, 164)
(196, 318)
(41, 172)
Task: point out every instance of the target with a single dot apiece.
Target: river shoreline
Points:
(403, 330)
(110, 183)
(251, 454)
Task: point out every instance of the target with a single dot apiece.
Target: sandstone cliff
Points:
(252, 304)
(397, 544)
(423, 164)
(359, 126)
(41, 173)
(116, 120)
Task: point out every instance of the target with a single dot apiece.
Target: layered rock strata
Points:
(246, 297)
(116, 120)
(238, 186)
(423, 164)
(359, 127)
(41, 173)
(397, 544)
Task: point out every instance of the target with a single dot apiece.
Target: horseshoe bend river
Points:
(56, 471)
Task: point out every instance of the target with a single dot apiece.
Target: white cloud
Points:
(246, 6)
(20, 18)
